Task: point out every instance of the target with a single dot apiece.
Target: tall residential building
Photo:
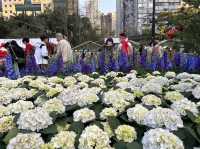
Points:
(92, 12)
(136, 15)
(70, 6)
(14, 7)
(106, 24)
(114, 22)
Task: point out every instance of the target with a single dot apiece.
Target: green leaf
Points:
(193, 133)
(50, 130)
(77, 127)
(113, 122)
(134, 145)
(191, 116)
(11, 134)
(120, 145)
(198, 130)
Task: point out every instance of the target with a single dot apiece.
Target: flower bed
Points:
(114, 111)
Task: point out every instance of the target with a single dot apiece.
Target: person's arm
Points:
(44, 51)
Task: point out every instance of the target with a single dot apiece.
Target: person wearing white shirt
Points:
(41, 53)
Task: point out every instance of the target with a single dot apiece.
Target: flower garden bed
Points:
(112, 111)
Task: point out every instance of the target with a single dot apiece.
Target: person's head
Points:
(109, 42)
(122, 36)
(59, 36)
(44, 38)
(25, 40)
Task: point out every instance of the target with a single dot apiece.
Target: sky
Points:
(105, 5)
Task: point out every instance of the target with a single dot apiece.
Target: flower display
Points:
(137, 113)
(99, 82)
(4, 111)
(107, 129)
(64, 139)
(6, 123)
(183, 87)
(69, 81)
(160, 138)
(26, 141)
(94, 138)
(34, 120)
(185, 105)
(170, 75)
(152, 88)
(173, 96)
(84, 78)
(84, 115)
(54, 106)
(126, 133)
(20, 106)
(108, 112)
(151, 100)
(196, 92)
(56, 80)
(183, 75)
(159, 117)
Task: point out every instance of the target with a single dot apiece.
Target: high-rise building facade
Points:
(92, 12)
(134, 16)
(15, 7)
(106, 24)
(70, 6)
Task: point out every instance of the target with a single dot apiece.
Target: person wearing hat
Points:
(107, 60)
(125, 53)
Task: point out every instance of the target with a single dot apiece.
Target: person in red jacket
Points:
(31, 66)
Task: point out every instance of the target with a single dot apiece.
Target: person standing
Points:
(125, 53)
(31, 66)
(41, 53)
(64, 52)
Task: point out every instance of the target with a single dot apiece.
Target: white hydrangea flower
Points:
(53, 91)
(152, 88)
(54, 105)
(183, 87)
(84, 78)
(86, 98)
(170, 75)
(26, 141)
(20, 106)
(137, 113)
(183, 105)
(94, 138)
(69, 81)
(131, 75)
(34, 120)
(64, 140)
(123, 85)
(84, 115)
(6, 124)
(47, 146)
(9, 83)
(160, 117)
(126, 133)
(173, 96)
(77, 75)
(183, 75)
(39, 85)
(151, 100)
(196, 77)
(56, 80)
(107, 129)
(119, 99)
(111, 74)
(82, 85)
(99, 82)
(160, 138)
(156, 73)
(120, 79)
(196, 92)
(4, 111)
(162, 81)
(108, 112)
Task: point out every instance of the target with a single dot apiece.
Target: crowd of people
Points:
(46, 58)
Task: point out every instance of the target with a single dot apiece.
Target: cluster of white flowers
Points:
(34, 120)
(4, 111)
(170, 75)
(159, 117)
(94, 138)
(126, 133)
(26, 141)
(84, 78)
(84, 115)
(161, 139)
(111, 74)
(156, 73)
(163, 81)
(152, 88)
(69, 81)
(64, 140)
(39, 85)
(6, 123)
(9, 83)
(196, 92)
(56, 80)
(185, 105)
(120, 79)
(99, 82)
(108, 112)
(183, 75)
(173, 96)
(107, 129)
(137, 113)
(119, 99)
(20, 106)
(183, 87)
(54, 106)
(151, 100)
